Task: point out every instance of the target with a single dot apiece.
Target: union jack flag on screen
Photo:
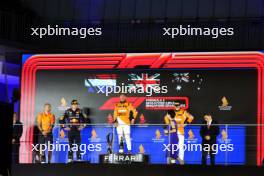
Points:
(144, 80)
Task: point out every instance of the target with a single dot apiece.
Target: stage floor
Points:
(85, 169)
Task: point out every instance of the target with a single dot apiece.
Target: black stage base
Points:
(82, 169)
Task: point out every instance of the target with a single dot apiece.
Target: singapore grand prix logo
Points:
(158, 137)
(225, 106)
(143, 83)
(191, 137)
(94, 136)
(141, 149)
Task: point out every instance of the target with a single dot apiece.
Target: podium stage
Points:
(83, 169)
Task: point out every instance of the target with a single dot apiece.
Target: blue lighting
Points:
(11, 80)
(25, 57)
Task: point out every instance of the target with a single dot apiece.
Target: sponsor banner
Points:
(165, 103)
(150, 140)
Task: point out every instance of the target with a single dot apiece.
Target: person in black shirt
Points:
(74, 121)
(209, 132)
(17, 133)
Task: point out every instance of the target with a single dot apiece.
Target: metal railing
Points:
(229, 144)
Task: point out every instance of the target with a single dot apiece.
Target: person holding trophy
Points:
(170, 130)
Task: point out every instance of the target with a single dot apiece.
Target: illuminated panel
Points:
(124, 61)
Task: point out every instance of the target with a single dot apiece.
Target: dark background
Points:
(130, 25)
(6, 111)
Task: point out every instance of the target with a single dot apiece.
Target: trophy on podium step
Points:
(109, 139)
(121, 146)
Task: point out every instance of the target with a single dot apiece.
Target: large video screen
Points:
(102, 132)
(152, 92)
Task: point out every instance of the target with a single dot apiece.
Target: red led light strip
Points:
(124, 61)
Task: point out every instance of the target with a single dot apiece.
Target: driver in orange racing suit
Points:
(124, 115)
(182, 117)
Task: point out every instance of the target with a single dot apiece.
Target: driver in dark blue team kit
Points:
(74, 121)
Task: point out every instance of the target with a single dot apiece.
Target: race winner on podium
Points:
(124, 115)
